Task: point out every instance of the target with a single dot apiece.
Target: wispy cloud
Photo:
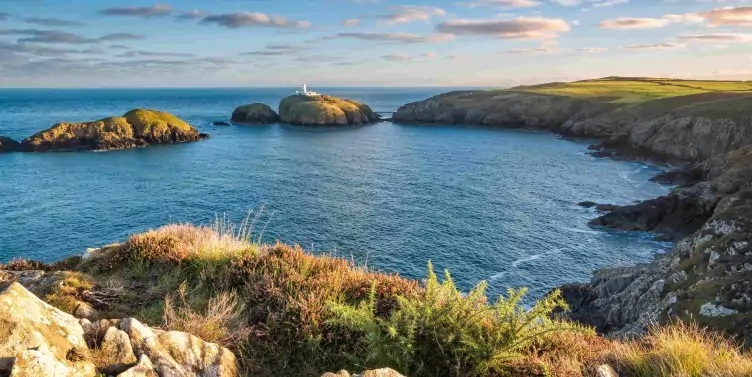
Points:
(194, 14)
(404, 14)
(52, 22)
(655, 46)
(623, 23)
(405, 38)
(510, 4)
(248, 19)
(137, 53)
(518, 28)
(155, 10)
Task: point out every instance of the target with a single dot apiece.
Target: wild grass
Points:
(636, 90)
(682, 350)
(285, 311)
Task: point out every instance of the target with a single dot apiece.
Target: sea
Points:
(491, 205)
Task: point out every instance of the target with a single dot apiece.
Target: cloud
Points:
(46, 36)
(657, 46)
(397, 57)
(726, 38)
(604, 3)
(512, 4)
(351, 22)
(567, 3)
(405, 38)
(194, 14)
(131, 54)
(120, 37)
(538, 50)
(591, 49)
(3, 16)
(404, 14)
(52, 22)
(277, 50)
(518, 28)
(155, 10)
(119, 47)
(624, 23)
(248, 19)
(739, 16)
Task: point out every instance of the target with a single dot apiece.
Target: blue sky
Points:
(106, 43)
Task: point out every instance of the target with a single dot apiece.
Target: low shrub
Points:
(444, 332)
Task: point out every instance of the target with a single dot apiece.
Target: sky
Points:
(490, 43)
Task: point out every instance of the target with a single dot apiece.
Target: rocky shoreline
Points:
(707, 275)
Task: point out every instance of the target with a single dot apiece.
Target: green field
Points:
(632, 90)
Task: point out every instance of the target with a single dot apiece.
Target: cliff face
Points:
(707, 276)
(688, 128)
(134, 129)
(324, 110)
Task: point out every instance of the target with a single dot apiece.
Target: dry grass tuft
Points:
(220, 322)
(66, 295)
(682, 350)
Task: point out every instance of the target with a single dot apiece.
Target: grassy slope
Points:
(286, 312)
(618, 90)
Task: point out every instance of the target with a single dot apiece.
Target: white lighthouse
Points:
(305, 92)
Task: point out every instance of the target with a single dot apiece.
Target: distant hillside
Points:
(630, 90)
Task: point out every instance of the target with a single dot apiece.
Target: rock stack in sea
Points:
(255, 113)
(137, 128)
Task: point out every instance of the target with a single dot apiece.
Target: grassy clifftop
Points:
(632, 90)
(286, 312)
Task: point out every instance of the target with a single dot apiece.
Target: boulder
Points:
(383, 372)
(144, 368)
(117, 351)
(180, 354)
(220, 124)
(136, 128)
(39, 335)
(42, 362)
(9, 145)
(605, 370)
(255, 113)
(322, 110)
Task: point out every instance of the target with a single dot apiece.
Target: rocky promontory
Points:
(137, 128)
(255, 113)
(323, 110)
(9, 145)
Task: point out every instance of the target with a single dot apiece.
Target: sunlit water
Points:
(488, 204)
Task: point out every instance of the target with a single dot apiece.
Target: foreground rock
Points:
(706, 277)
(324, 110)
(255, 113)
(384, 372)
(37, 339)
(137, 128)
(9, 145)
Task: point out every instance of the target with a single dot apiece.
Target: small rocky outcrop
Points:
(137, 128)
(37, 339)
(324, 110)
(9, 145)
(255, 113)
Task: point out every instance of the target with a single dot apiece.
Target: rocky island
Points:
(323, 110)
(706, 128)
(255, 113)
(137, 128)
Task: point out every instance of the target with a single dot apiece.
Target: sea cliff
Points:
(323, 110)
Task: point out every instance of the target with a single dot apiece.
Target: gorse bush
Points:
(446, 333)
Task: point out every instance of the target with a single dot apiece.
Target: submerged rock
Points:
(324, 110)
(136, 128)
(220, 124)
(255, 113)
(9, 145)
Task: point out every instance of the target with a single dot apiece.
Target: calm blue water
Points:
(492, 205)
